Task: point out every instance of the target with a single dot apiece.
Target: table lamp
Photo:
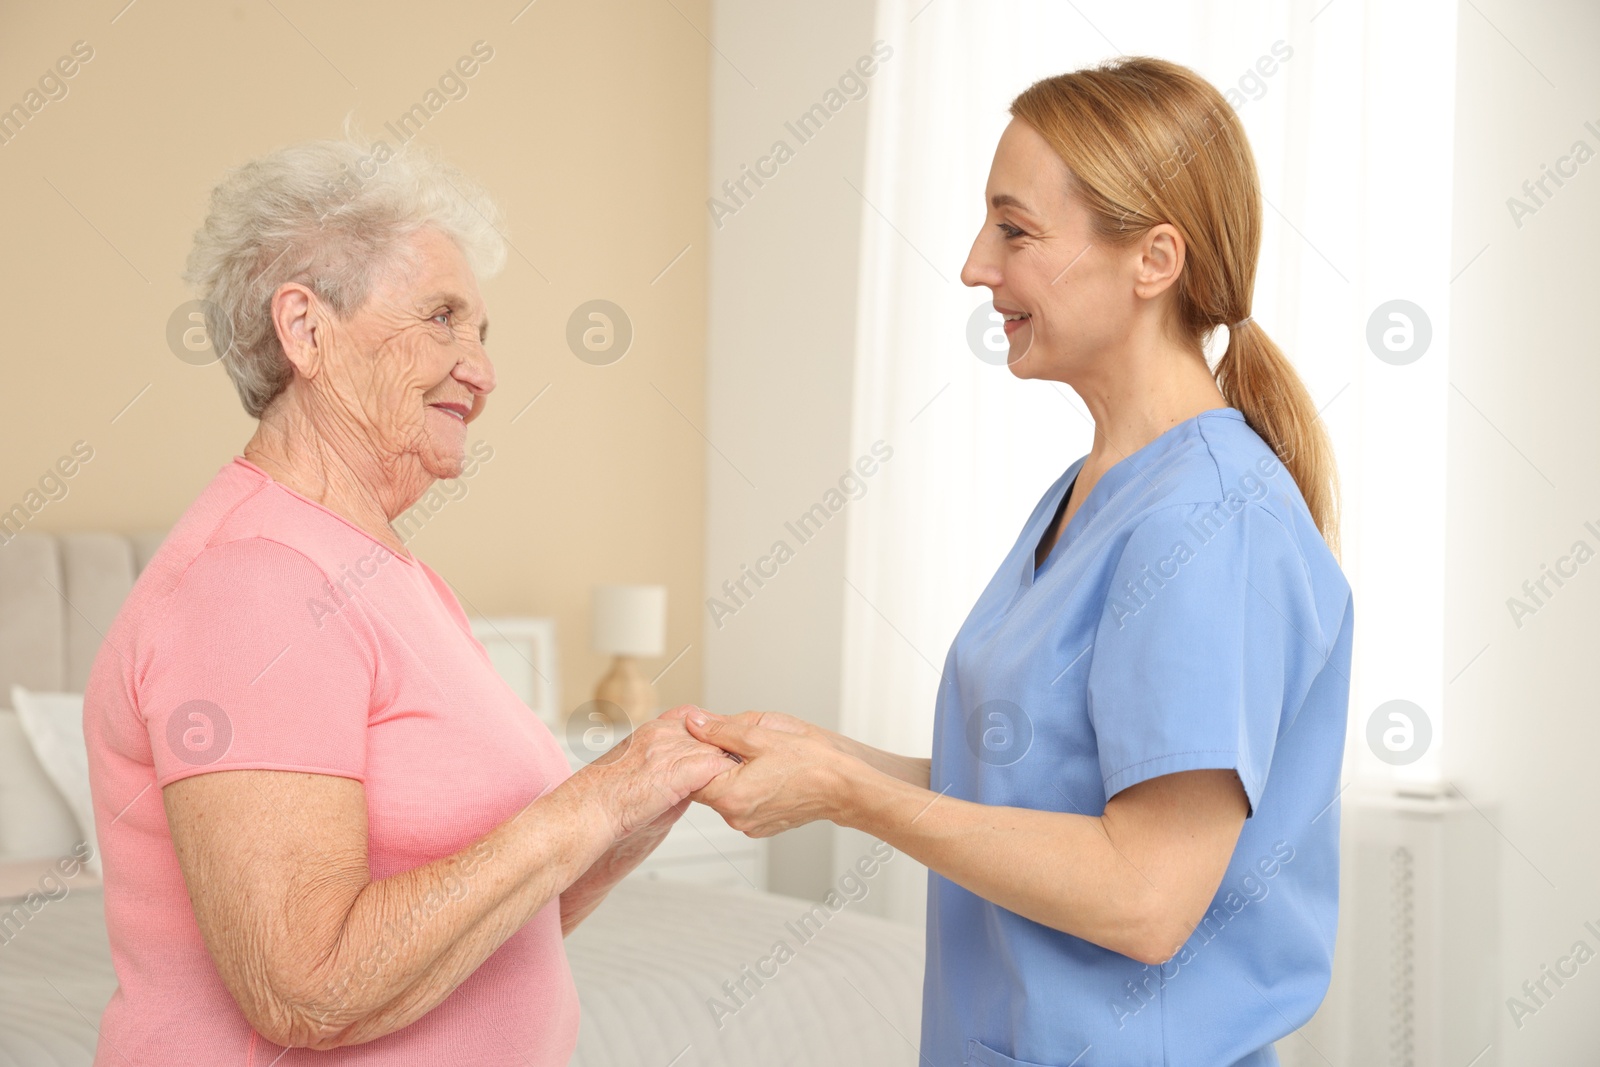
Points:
(630, 621)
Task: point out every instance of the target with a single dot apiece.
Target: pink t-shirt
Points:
(268, 632)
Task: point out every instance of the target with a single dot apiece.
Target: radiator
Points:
(1417, 950)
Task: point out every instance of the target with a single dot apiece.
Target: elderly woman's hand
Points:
(641, 786)
(646, 780)
(790, 772)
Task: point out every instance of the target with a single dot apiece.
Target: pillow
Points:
(53, 723)
(35, 821)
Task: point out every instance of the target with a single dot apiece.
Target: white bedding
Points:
(646, 964)
(55, 979)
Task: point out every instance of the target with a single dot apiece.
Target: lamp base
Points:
(627, 687)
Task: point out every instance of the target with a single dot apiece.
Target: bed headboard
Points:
(58, 595)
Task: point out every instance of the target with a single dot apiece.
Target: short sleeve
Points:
(1209, 623)
(256, 663)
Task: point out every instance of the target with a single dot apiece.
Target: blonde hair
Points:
(331, 215)
(1150, 142)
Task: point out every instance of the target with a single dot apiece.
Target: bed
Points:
(670, 974)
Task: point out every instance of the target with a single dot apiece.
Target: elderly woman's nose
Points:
(475, 370)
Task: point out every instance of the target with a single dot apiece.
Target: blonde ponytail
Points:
(1258, 379)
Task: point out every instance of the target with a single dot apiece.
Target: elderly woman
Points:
(325, 822)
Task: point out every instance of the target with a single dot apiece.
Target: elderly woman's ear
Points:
(302, 325)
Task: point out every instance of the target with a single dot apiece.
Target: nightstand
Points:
(701, 847)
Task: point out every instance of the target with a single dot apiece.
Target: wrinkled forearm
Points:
(406, 942)
(585, 895)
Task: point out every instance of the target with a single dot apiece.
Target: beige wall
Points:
(589, 125)
(782, 343)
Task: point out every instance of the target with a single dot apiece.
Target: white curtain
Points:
(974, 447)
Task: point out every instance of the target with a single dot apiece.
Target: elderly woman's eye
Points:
(442, 317)
(1009, 230)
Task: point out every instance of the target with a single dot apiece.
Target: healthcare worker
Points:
(1130, 813)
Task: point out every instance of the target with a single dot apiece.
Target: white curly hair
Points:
(331, 215)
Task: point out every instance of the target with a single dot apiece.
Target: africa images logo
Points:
(199, 732)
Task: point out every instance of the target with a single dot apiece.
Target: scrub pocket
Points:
(981, 1055)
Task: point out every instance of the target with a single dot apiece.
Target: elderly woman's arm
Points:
(585, 895)
(319, 955)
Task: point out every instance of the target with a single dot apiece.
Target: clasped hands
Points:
(784, 772)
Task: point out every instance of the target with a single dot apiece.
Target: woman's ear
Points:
(302, 332)
(1161, 253)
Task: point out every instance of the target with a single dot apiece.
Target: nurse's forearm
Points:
(908, 769)
(1117, 880)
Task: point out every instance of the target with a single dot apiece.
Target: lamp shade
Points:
(630, 620)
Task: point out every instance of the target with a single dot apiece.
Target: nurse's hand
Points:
(790, 774)
(910, 769)
(770, 720)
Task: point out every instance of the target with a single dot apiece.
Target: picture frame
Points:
(523, 652)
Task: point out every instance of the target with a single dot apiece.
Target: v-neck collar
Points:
(1116, 478)
(1061, 535)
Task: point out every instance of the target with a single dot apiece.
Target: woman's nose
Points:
(980, 268)
(476, 370)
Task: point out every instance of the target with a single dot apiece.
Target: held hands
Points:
(788, 774)
(646, 781)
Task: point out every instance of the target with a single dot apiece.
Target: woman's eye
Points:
(442, 318)
(1009, 230)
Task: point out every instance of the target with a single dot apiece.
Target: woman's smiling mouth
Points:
(460, 411)
(1014, 319)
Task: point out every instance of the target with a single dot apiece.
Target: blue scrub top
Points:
(1189, 617)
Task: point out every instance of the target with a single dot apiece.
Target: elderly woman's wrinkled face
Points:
(407, 370)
